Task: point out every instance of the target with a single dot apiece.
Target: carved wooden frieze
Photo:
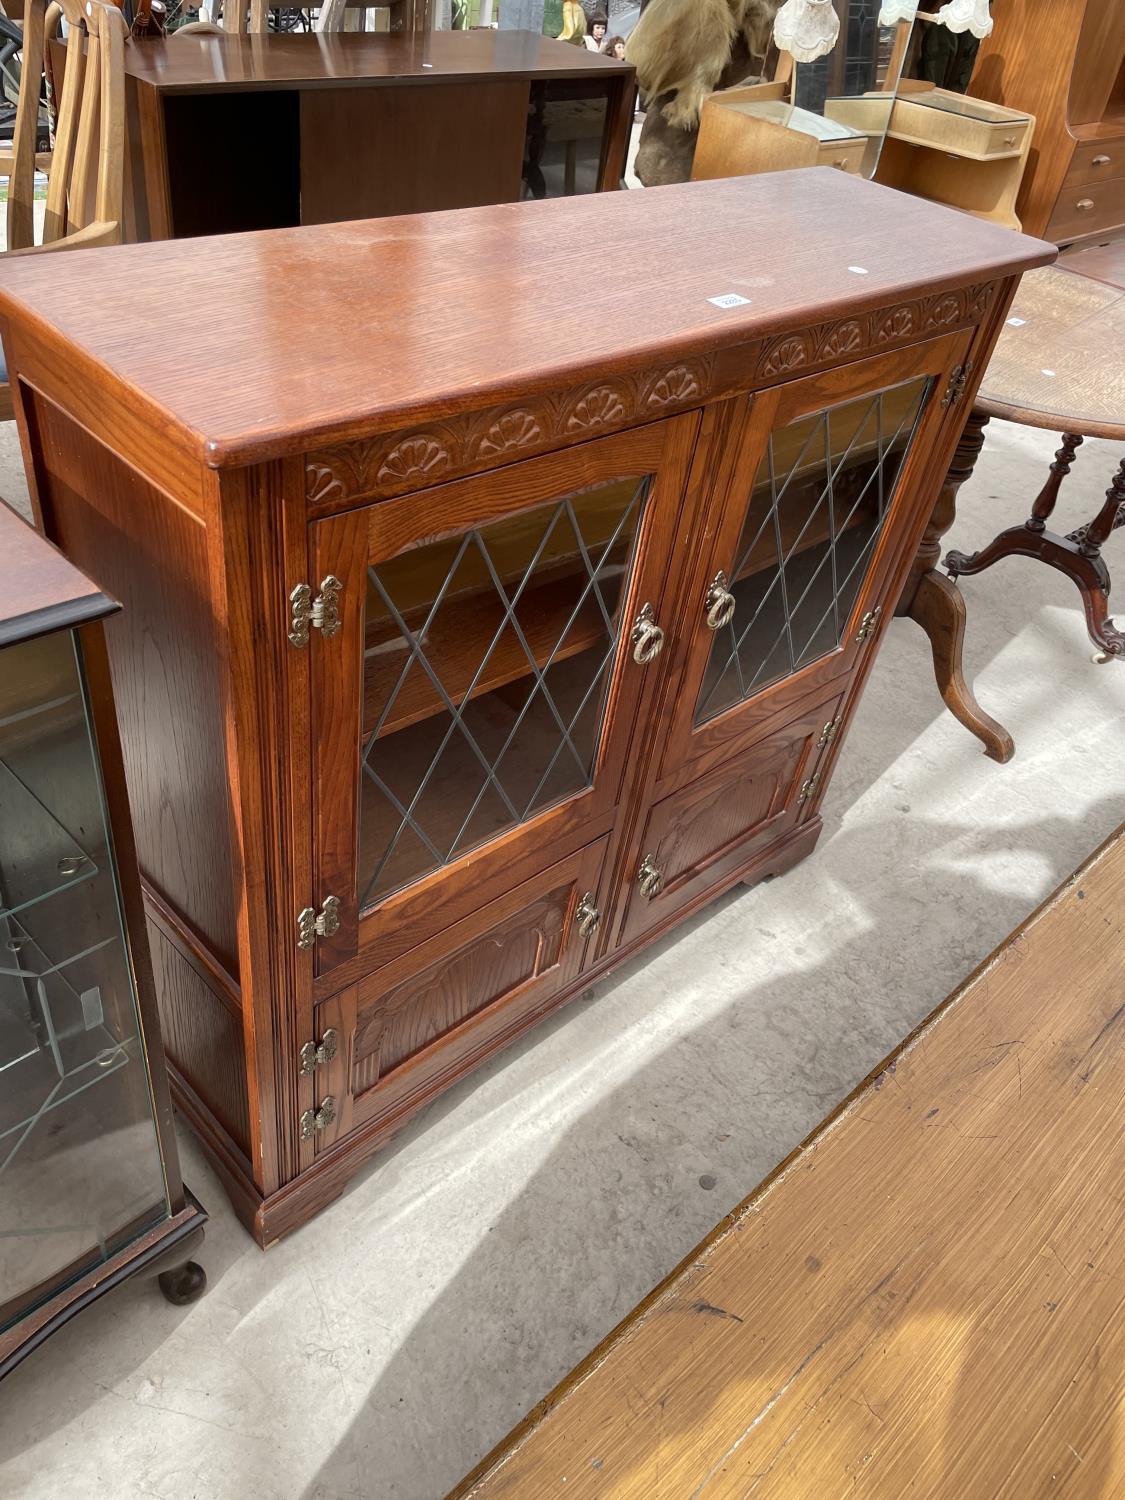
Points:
(826, 343)
(397, 462)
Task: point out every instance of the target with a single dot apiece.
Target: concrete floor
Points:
(379, 1352)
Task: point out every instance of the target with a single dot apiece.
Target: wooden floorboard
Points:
(926, 1299)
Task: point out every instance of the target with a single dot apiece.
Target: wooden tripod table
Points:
(1058, 365)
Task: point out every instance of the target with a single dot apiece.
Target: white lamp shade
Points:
(894, 11)
(806, 29)
(966, 15)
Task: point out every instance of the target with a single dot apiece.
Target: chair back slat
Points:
(25, 133)
(109, 197)
(83, 180)
(66, 127)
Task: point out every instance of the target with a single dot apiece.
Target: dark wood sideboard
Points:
(236, 132)
(476, 632)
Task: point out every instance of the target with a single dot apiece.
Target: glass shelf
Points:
(40, 856)
(969, 109)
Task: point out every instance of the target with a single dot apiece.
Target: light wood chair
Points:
(405, 15)
(238, 18)
(86, 168)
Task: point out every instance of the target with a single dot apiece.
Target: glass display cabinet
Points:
(513, 628)
(90, 1189)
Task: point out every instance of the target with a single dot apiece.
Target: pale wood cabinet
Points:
(476, 633)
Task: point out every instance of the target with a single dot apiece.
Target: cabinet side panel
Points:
(141, 547)
(202, 1036)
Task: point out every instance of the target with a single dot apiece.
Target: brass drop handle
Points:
(588, 917)
(649, 877)
(647, 637)
(1100, 161)
(719, 602)
(1084, 205)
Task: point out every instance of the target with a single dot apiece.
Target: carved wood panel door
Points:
(497, 637)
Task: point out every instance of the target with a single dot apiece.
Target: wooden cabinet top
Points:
(212, 64)
(39, 590)
(247, 347)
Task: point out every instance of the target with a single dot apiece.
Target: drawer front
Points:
(1099, 161)
(961, 134)
(403, 1035)
(846, 155)
(700, 837)
(1088, 210)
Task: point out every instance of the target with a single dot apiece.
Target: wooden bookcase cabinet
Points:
(302, 646)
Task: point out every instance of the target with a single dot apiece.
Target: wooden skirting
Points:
(923, 1299)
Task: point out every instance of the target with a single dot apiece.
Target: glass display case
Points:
(90, 1188)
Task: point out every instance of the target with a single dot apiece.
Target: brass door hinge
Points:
(321, 613)
(869, 624)
(958, 380)
(808, 789)
(313, 1121)
(828, 733)
(310, 925)
(313, 1056)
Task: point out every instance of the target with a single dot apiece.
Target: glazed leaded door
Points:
(482, 694)
(792, 569)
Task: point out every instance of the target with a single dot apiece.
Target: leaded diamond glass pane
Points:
(813, 521)
(487, 659)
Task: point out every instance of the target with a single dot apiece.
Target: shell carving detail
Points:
(515, 429)
(898, 324)
(596, 408)
(945, 310)
(790, 354)
(679, 384)
(842, 339)
(417, 456)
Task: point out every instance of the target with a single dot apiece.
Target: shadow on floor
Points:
(521, 1301)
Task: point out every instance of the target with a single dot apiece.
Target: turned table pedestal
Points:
(1057, 365)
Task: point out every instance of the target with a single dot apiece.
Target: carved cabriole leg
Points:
(940, 610)
(937, 606)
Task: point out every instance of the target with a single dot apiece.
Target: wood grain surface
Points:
(1061, 366)
(301, 336)
(42, 590)
(207, 64)
(925, 1299)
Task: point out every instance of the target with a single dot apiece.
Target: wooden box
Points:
(476, 631)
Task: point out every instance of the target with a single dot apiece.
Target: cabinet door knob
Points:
(1084, 205)
(649, 877)
(1100, 161)
(647, 637)
(719, 602)
(588, 917)
(1010, 140)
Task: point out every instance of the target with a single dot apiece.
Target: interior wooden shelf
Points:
(764, 552)
(459, 638)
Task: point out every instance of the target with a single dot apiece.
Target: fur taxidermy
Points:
(682, 48)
